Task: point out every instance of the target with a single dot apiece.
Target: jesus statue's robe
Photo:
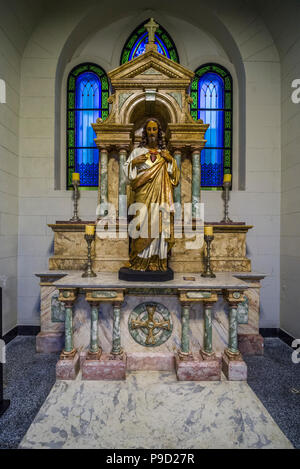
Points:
(152, 182)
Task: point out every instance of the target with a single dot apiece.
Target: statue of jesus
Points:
(152, 173)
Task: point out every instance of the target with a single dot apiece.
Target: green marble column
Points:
(116, 339)
(94, 348)
(103, 179)
(185, 329)
(122, 184)
(233, 329)
(196, 180)
(207, 346)
(68, 328)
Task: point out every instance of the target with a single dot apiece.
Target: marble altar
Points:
(105, 326)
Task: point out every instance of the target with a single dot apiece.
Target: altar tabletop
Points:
(224, 280)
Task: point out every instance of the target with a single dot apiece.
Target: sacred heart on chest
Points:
(153, 156)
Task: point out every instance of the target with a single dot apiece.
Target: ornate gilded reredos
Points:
(150, 85)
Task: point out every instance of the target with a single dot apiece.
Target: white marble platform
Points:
(223, 280)
(153, 410)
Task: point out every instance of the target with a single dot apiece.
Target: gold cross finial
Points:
(151, 28)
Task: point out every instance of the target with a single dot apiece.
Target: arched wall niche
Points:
(205, 20)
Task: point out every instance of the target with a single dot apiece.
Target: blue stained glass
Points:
(211, 105)
(88, 91)
(88, 102)
(87, 99)
(140, 46)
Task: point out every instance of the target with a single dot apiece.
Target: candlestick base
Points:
(208, 273)
(89, 273)
(75, 220)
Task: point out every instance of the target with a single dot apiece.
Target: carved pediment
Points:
(151, 69)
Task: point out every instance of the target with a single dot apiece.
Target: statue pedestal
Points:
(198, 369)
(105, 369)
(145, 276)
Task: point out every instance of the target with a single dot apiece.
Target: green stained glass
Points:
(201, 72)
(70, 172)
(228, 84)
(219, 71)
(104, 100)
(71, 157)
(227, 100)
(167, 41)
(72, 83)
(194, 85)
(227, 158)
(71, 119)
(227, 139)
(173, 55)
(125, 57)
(80, 69)
(132, 41)
(194, 115)
(227, 120)
(71, 138)
(71, 100)
(195, 99)
(97, 70)
(104, 83)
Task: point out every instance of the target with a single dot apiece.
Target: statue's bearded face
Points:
(152, 132)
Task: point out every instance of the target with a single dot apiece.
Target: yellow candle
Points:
(227, 177)
(90, 229)
(76, 177)
(209, 230)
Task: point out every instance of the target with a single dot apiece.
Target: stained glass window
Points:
(211, 91)
(87, 99)
(136, 44)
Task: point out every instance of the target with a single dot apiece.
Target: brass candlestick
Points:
(226, 185)
(89, 270)
(208, 272)
(75, 217)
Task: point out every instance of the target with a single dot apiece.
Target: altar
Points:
(105, 326)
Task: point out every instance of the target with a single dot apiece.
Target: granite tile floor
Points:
(70, 415)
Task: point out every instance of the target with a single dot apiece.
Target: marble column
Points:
(233, 298)
(185, 331)
(68, 298)
(122, 184)
(207, 345)
(233, 326)
(94, 350)
(69, 347)
(103, 179)
(116, 338)
(196, 179)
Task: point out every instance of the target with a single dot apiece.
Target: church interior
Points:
(186, 339)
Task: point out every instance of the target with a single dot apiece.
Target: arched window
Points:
(136, 44)
(87, 99)
(211, 91)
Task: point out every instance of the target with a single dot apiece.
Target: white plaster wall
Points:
(16, 23)
(259, 204)
(284, 25)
